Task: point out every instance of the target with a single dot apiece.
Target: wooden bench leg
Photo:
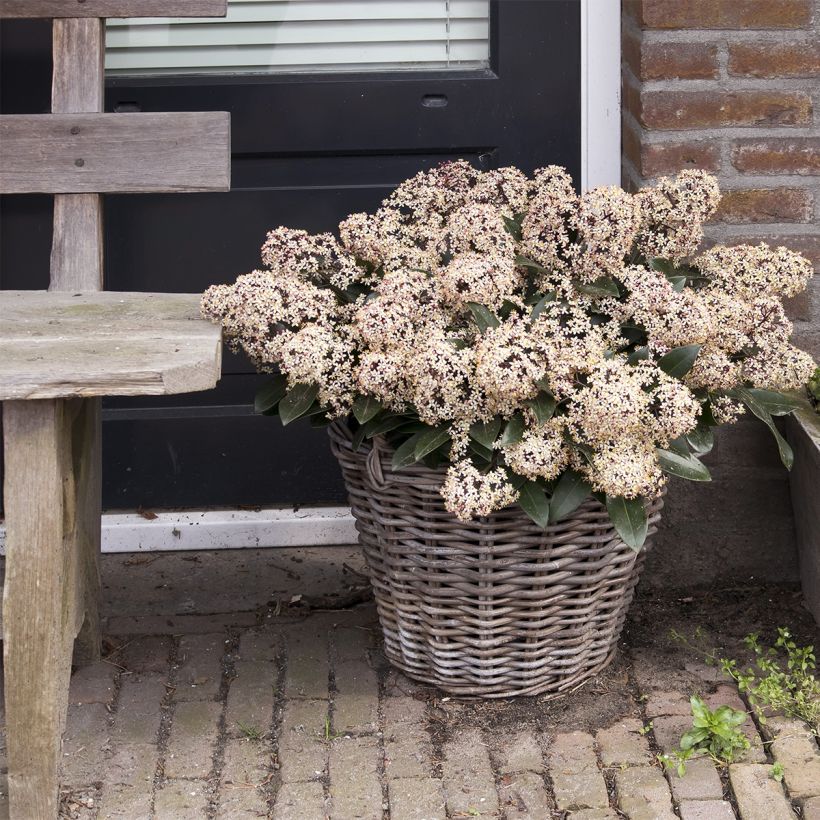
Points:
(51, 467)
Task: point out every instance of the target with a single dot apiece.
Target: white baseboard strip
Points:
(224, 529)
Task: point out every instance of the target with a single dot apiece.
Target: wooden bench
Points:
(61, 349)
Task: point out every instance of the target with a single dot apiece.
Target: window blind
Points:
(264, 36)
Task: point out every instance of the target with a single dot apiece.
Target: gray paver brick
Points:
(303, 750)
(796, 748)
(193, 735)
(759, 796)
(811, 808)
(199, 671)
(260, 645)
(84, 744)
(469, 784)
(125, 803)
(356, 704)
(416, 799)
(668, 731)
(593, 814)
(576, 779)
(246, 762)
(308, 667)
(701, 781)
(351, 643)
(129, 782)
(623, 744)
(138, 713)
(407, 747)
(92, 684)
(147, 653)
(518, 752)
(643, 793)
(176, 624)
(181, 800)
(661, 704)
(250, 697)
(355, 791)
(524, 796)
(705, 810)
(300, 801)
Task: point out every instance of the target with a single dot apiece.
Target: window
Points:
(288, 36)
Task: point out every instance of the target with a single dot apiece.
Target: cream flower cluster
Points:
(493, 301)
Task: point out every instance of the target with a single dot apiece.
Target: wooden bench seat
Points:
(65, 345)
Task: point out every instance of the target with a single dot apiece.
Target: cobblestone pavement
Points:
(294, 714)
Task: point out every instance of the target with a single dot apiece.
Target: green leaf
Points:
(538, 307)
(523, 262)
(513, 432)
(569, 493)
(701, 439)
(513, 228)
(483, 316)
(484, 453)
(297, 402)
(601, 287)
(405, 454)
(628, 516)
(687, 467)
(270, 394)
(662, 265)
(431, 440)
(639, 354)
(485, 433)
(378, 426)
(678, 361)
(776, 404)
(543, 405)
(678, 282)
(364, 408)
(358, 437)
(759, 410)
(533, 501)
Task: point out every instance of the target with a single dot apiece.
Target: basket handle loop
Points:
(374, 465)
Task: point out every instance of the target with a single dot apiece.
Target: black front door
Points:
(308, 149)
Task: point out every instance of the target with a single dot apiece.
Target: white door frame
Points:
(318, 526)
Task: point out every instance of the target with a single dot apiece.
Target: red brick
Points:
(709, 109)
(670, 157)
(722, 14)
(751, 205)
(678, 61)
(789, 155)
(796, 58)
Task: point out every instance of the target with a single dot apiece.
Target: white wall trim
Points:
(224, 529)
(600, 93)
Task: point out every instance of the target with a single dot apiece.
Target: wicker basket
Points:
(492, 608)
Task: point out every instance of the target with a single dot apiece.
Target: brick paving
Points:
(296, 715)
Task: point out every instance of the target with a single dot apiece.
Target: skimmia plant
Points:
(539, 344)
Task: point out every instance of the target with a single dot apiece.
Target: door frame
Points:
(329, 525)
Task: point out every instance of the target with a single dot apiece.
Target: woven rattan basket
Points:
(492, 608)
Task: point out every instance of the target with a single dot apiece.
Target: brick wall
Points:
(731, 86)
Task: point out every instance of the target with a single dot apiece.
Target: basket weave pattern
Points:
(491, 608)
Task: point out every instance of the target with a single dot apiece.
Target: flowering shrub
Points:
(541, 344)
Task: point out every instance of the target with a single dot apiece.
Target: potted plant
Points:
(803, 432)
(509, 371)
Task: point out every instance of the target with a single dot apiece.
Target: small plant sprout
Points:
(646, 728)
(777, 772)
(250, 732)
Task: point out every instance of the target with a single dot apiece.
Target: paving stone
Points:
(726, 695)
(759, 796)
(576, 779)
(308, 667)
(623, 744)
(518, 752)
(148, 653)
(708, 673)
(303, 750)
(199, 667)
(706, 810)
(85, 743)
(139, 711)
(351, 643)
(524, 796)
(796, 748)
(593, 814)
(661, 704)
(181, 800)
(356, 704)
(193, 735)
(469, 783)
(355, 791)
(645, 665)
(668, 731)
(416, 799)
(125, 803)
(250, 697)
(246, 762)
(395, 684)
(643, 793)
(300, 801)
(407, 747)
(176, 624)
(128, 786)
(92, 684)
(260, 645)
(811, 808)
(701, 781)
(241, 803)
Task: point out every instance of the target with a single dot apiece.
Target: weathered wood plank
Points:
(40, 596)
(114, 153)
(77, 86)
(113, 8)
(104, 344)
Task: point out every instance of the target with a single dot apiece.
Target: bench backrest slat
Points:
(115, 153)
(113, 8)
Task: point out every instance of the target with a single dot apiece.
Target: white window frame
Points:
(318, 526)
